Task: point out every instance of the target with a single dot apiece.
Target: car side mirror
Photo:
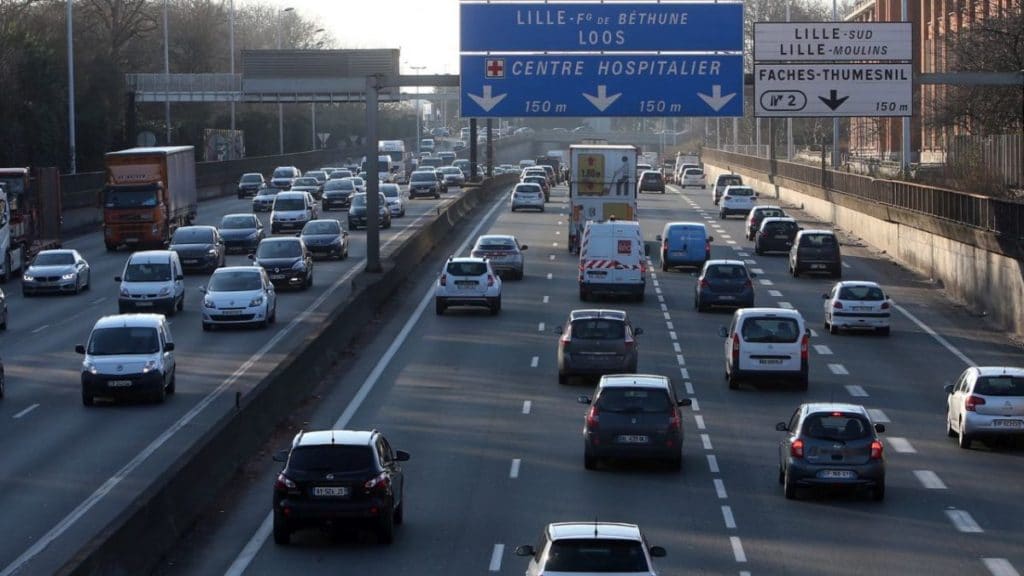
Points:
(583, 399)
(524, 247)
(117, 278)
(824, 296)
(723, 331)
(559, 330)
(658, 552)
(80, 348)
(752, 275)
(252, 256)
(948, 388)
(807, 332)
(638, 331)
(281, 456)
(169, 347)
(402, 455)
(657, 238)
(711, 238)
(179, 277)
(799, 229)
(202, 289)
(684, 402)
(525, 550)
(880, 428)
(782, 427)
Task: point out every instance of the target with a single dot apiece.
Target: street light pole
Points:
(280, 106)
(231, 48)
(835, 121)
(167, 76)
(73, 165)
(312, 105)
(418, 113)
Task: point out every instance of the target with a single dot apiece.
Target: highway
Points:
(68, 469)
(497, 450)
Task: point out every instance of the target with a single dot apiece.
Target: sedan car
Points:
(337, 194)
(239, 295)
(286, 260)
(198, 247)
(831, 445)
(423, 183)
(452, 176)
(264, 199)
(527, 196)
(724, 283)
(857, 305)
(325, 238)
(55, 271)
(585, 548)
(357, 212)
(241, 232)
(307, 184)
(504, 252)
(985, 402)
(393, 194)
(250, 183)
(597, 342)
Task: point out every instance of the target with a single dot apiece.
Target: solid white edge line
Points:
(956, 352)
(496, 554)
(1000, 567)
(737, 549)
(240, 564)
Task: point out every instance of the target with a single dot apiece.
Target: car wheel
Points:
(181, 303)
(589, 461)
(282, 532)
(878, 492)
(309, 281)
(25, 293)
(563, 378)
(664, 265)
(496, 306)
(160, 395)
(3, 325)
(802, 382)
(757, 250)
(439, 306)
(437, 196)
(963, 440)
(782, 476)
(207, 327)
(2, 385)
(734, 382)
(386, 529)
(173, 386)
(721, 215)
(788, 487)
(87, 400)
(794, 270)
(88, 281)
(838, 273)
(273, 314)
(832, 328)
(949, 427)
(884, 331)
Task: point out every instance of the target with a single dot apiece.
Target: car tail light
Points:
(629, 343)
(567, 335)
(885, 305)
(876, 449)
(592, 418)
(972, 402)
(444, 279)
(379, 483)
(704, 283)
(804, 346)
(796, 449)
(284, 483)
(675, 422)
(837, 304)
(490, 280)
(643, 268)
(748, 284)
(735, 351)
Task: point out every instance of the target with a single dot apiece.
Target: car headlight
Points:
(27, 278)
(257, 301)
(89, 367)
(212, 251)
(300, 265)
(251, 236)
(124, 292)
(149, 366)
(165, 291)
(209, 303)
(68, 276)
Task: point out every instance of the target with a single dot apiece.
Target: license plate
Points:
(726, 297)
(143, 304)
(1008, 423)
(861, 308)
(190, 262)
(119, 383)
(817, 266)
(330, 491)
(783, 237)
(597, 272)
(232, 312)
(632, 439)
(465, 284)
(770, 361)
(837, 474)
(277, 276)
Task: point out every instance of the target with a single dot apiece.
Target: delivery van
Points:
(613, 260)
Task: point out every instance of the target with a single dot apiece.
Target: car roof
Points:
(766, 207)
(582, 530)
(148, 256)
(817, 231)
(224, 269)
(345, 437)
(726, 261)
(597, 313)
(765, 311)
(771, 219)
(498, 236)
(634, 381)
(235, 214)
(999, 370)
(287, 195)
(737, 186)
(858, 283)
(130, 321)
(815, 407)
(685, 225)
(467, 259)
(197, 227)
(281, 239)
(56, 251)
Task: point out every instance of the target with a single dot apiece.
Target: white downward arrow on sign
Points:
(487, 101)
(716, 101)
(602, 101)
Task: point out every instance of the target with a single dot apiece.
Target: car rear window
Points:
(599, 329)
(693, 172)
(818, 240)
(861, 293)
(740, 192)
(1003, 385)
(726, 272)
(770, 329)
(836, 426)
(467, 268)
(631, 400)
(655, 177)
(775, 227)
(528, 188)
(496, 244)
(730, 181)
(595, 555)
(687, 233)
(337, 458)
(769, 213)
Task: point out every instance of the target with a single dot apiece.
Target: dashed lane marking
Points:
(720, 489)
(680, 360)
(856, 391)
(699, 421)
(713, 463)
(676, 347)
(667, 315)
(540, 327)
(737, 549)
(551, 257)
(685, 373)
(930, 480)
(845, 265)
(838, 369)
(527, 406)
(41, 328)
(496, 554)
(669, 326)
(660, 297)
(963, 521)
(1000, 567)
(901, 445)
(822, 349)
(695, 406)
(513, 471)
(814, 334)
(689, 387)
(783, 304)
(24, 412)
(730, 242)
(730, 521)
(775, 294)
(664, 308)
(672, 335)
(550, 275)
(878, 416)
(546, 299)
(757, 270)
(534, 361)
(765, 282)
(706, 441)
(743, 254)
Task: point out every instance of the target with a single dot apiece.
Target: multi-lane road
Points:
(68, 470)
(497, 448)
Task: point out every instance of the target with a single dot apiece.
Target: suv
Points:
(250, 183)
(591, 548)
(339, 475)
(468, 282)
(597, 342)
(128, 354)
(722, 182)
(831, 444)
(769, 343)
(815, 251)
(284, 176)
(633, 416)
(652, 181)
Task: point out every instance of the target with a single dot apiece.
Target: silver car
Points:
(264, 199)
(393, 194)
(597, 342)
(239, 295)
(56, 271)
(585, 548)
(504, 252)
(453, 176)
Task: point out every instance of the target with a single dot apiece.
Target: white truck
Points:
(602, 185)
(395, 150)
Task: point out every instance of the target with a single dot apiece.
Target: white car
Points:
(694, 177)
(468, 282)
(239, 295)
(292, 210)
(986, 401)
(767, 344)
(857, 305)
(128, 355)
(360, 184)
(737, 200)
(527, 196)
(393, 194)
(591, 548)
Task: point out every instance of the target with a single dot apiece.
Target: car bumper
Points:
(857, 321)
(613, 289)
(300, 512)
(234, 316)
(739, 300)
(992, 425)
(652, 189)
(289, 225)
(119, 385)
(325, 250)
(806, 474)
(576, 364)
(530, 205)
(414, 192)
(241, 245)
(819, 267)
(671, 261)
(55, 287)
(204, 262)
(288, 278)
(729, 210)
(145, 305)
(658, 448)
(774, 245)
(768, 374)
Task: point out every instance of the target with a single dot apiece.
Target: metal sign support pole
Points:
(474, 151)
(906, 152)
(372, 187)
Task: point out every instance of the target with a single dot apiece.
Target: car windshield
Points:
(770, 330)
(279, 249)
(54, 259)
(235, 281)
(836, 426)
(740, 192)
(693, 172)
(114, 198)
(340, 174)
(306, 182)
(534, 180)
(769, 213)
(423, 177)
(598, 329)
(818, 240)
(1002, 385)
(283, 173)
(333, 185)
(726, 272)
(652, 177)
(359, 201)
(239, 222)
(250, 178)
(322, 227)
(289, 204)
(861, 293)
(317, 175)
(528, 188)
(390, 191)
(147, 272)
(334, 458)
(467, 268)
(123, 340)
(192, 236)
(593, 555)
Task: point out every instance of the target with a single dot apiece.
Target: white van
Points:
(612, 260)
(130, 354)
(766, 343)
(152, 281)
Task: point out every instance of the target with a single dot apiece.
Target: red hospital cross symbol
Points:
(495, 68)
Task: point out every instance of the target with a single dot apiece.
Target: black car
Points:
(357, 212)
(724, 283)
(337, 194)
(759, 213)
(815, 251)
(339, 476)
(249, 184)
(424, 184)
(286, 260)
(198, 247)
(831, 445)
(652, 181)
(241, 232)
(325, 238)
(775, 235)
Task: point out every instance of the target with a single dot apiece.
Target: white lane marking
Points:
(527, 405)
(41, 328)
(554, 245)
(856, 391)
(737, 549)
(699, 421)
(680, 360)
(901, 445)
(657, 286)
(252, 547)
(513, 472)
(98, 300)
(720, 489)
(672, 335)
(667, 315)
(689, 387)
(540, 327)
(547, 299)
(730, 242)
(838, 369)
(534, 361)
(963, 521)
(706, 441)
(726, 236)
(765, 282)
(775, 294)
(660, 297)
(558, 232)
(560, 222)
(676, 347)
(783, 304)
(878, 416)
(730, 521)
(669, 326)
(713, 463)
(744, 572)
(845, 265)
(822, 349)
(936, 336)
(930, 480)
(1000, 567)
(684, 373)
(26, 411)
(551, 257)
(550, 276)
(757, 270)
(695, 406)
(814, 334)
(496, 554)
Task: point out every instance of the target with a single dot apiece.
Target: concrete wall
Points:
(973, 266)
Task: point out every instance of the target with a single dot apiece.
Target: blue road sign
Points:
(582, 27)
(602, 85)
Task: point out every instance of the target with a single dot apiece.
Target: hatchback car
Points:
(292, 210)
(423, 183)
(360, 183)
(768, 344)
(985, 402)
(591, 548)
(128, 354)
(815, 251)
(722, 182)
(452, 176)
(775, 235)
(337, 194)
(597, 342)
(737, 200)
(264, 199)
(250, 183)
(468, 282)
(339, 476)
(308, 184)
(857, 306)
(504, 252)
(284, 176)
(325, 238)
(286, 260)
(831, 445)
(393, 194)
(239, 295)
(56, 271)
(759, 213)
(633, 416)
(241, 232)
(694, 177)
(651, 181)
(527, 196)
(540, 181)
(198, 247)
(724, 283)
(357, 212)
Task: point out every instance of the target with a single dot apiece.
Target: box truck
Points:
(602, 184)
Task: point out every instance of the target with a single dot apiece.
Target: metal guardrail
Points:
(1004, 218)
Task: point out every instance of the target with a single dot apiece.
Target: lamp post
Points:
(231, 48)
(71, 94)
(167, 76)
(835, 121)
(312, 105)
(418, 114)
(280, 106)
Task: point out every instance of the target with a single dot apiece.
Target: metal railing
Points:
(184, 82)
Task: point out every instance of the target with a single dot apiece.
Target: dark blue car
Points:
(724, 283)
